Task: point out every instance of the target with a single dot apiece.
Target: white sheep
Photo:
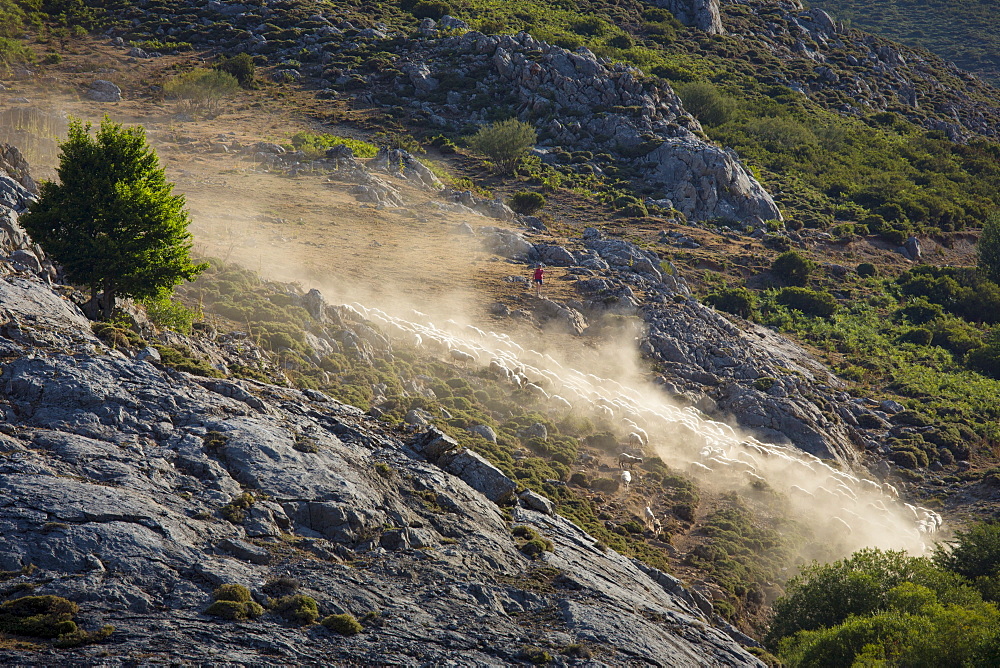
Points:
(841, 524)
(560, 402)
(795, 489)
(627, 461)
(635, 440)
(461, 356)
(626, 479)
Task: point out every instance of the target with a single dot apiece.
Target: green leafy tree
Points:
(505, 143)
(793, 268)
(112, 221)
(989, 248)
(825, 595)
(975, 554)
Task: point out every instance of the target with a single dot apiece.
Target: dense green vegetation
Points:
(112, 220)
(929, 336)
(889, 609)
(962, 32)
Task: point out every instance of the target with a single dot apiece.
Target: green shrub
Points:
(810, 302)
(707, 103)
(232, 592)
(973, 553)
(535, 655)
(793, 268)
(315, 145)
(181, 359)
(622, 41)
(13, 51)
(202, 89)
(866, 269)
(38, 616)
(235, 610)
(591, 26)
(536, 546)
(738, 301)
(236, 510)
(526, 202)
(167, 313)
(297, 608)
(241, 67)
(907, 459)
(524, 531)
(825, 595)
(505, 143)
(764, 383)
(345, 624)
(988, 248)
(920, 311)
(921, 336)
(430, 9)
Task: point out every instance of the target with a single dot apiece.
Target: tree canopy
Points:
(505, 143)
(112, 220)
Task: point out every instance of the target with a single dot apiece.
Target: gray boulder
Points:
(482, 476)
(557, 256)
(104, 91)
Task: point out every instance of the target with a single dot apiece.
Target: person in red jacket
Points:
(539, 273)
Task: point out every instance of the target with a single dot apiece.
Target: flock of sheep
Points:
(854, 510)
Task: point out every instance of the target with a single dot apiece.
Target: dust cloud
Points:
(409, 272)
(428, 300)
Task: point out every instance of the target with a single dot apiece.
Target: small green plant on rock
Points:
(535, 655)
(47, 617)
(297, 608)
(236, 510)
(533, 545)
(345, 624)
(234, 602)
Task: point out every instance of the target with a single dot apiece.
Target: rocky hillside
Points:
(135, 492)
(470, 499)
(962, 33)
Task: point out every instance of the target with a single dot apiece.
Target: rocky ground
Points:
(122, 485)
(120, 477)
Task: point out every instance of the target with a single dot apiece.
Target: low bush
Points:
(793, 268)
(233, 602)
(430, 9)
(47, 617)
(236, 510)
(738, 301)
(809, 302)
(297, 608)
(241, 67)
(526, 202)
(866, 269)
(202, 89)
(345, 624)
(504, 143)
(181, 359)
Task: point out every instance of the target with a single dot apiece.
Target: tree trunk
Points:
(92, 308)
(108, 302)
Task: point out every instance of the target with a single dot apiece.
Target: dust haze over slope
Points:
(423, 282)
(414, 273)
